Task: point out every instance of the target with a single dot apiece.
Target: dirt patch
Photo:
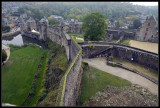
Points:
(133, 95)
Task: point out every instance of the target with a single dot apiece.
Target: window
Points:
(144, 38)
(148, 24)
(145, 34)
(146, 29)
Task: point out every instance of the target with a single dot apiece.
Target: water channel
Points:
(20, 40)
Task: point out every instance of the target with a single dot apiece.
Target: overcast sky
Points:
(146, 3)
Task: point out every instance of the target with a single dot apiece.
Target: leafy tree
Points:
(21, 10)
(94, 26)
(4, 55)
(52, 21)
(5, 28)
(107, 20)
(136, 24)
(117, 24)
(121, 23)
(130, 27)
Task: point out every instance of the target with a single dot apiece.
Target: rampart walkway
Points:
(100, 63)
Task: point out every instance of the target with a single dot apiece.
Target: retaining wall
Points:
(146, 58)
(132, 70)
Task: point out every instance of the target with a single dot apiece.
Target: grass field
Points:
(77, 37)
(95, 80)
(17, 78)
(126, 42)
(76, 34)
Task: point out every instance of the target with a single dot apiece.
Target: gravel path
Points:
(100, 63)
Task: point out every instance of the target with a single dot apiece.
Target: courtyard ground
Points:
(100, 63)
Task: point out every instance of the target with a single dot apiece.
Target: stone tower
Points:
(43, 29)
(31, 24)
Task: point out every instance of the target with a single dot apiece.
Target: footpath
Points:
(100, 63)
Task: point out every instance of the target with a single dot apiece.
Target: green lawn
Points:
(77, 37)
(114, 40)
(17, 78)
(126, 42)
(95, 80)
(76, 34)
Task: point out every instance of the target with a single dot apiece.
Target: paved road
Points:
(100, 63)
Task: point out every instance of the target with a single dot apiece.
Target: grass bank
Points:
(76, 34)
(126, 42)
(57, 64)
(95, 80)
(141, 68)
(17, 78)
(77, 37)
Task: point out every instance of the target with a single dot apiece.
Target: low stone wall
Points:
(11, 34)
(132, 70)
(146, 58)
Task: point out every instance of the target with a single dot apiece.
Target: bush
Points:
(6, 28)
(85, 66)
(4, 55)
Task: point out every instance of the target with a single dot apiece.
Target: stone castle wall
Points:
(74, 28)
(73, 75)
(143, 57)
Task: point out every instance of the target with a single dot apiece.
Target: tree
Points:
(5, 28)
(121, 23)
(130, 27)
(52, 21)
(117, 24)
(4, 56)
(136, 24)
(94, 26)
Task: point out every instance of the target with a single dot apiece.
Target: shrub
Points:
(85, 66)
(4, 55)
(5, 28)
